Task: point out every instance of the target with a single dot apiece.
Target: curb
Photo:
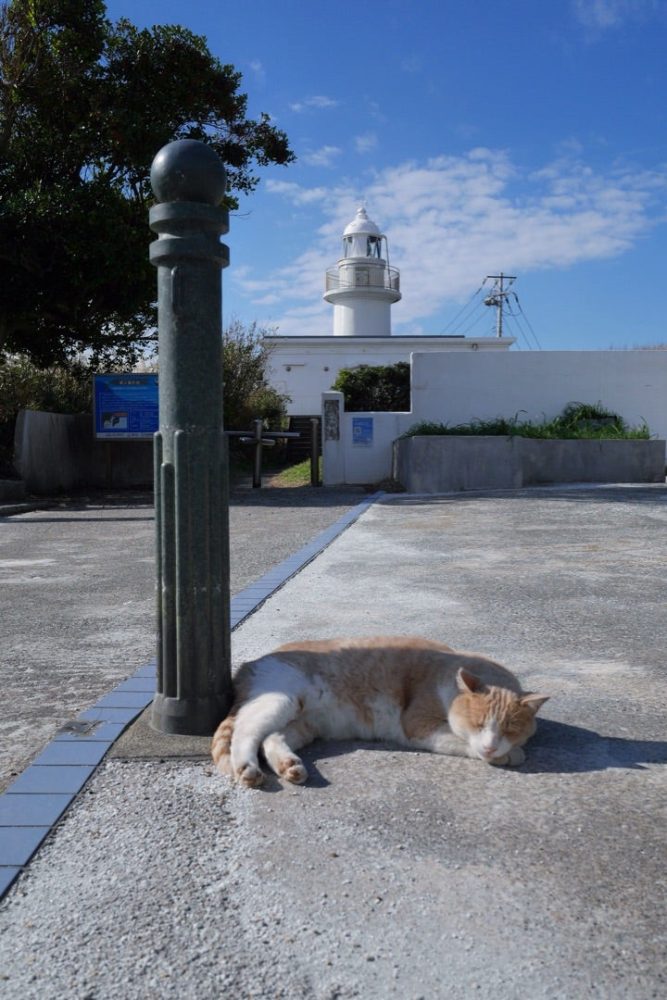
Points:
(33, 804)
(8, 509)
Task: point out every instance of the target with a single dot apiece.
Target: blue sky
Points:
(482, 135)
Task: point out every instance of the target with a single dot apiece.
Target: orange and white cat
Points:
(411, 691)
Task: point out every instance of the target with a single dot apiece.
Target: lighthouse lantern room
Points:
(362, 286)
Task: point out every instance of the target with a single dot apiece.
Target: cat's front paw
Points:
(510, 759)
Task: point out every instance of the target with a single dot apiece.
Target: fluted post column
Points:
(191, 501)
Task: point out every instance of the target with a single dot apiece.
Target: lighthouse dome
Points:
(361, 224)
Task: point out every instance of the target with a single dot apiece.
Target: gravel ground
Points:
(78, 605)
(201, 945)
(395, 875)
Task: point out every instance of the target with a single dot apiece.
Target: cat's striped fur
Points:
(412, 691)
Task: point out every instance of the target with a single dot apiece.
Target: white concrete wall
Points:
(457, 387)
(57, 452)
(365, 463)
(305, 372)
(305, 367)
(355, 459)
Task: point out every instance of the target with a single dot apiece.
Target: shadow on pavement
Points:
(634, 495)
(556, 748)
(134, 503)
(559, 748)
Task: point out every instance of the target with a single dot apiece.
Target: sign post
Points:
(191, 477)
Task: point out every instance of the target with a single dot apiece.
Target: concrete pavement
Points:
(395, 874)
(77, 595)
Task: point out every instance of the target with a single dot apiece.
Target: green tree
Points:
(375, 387)
(84, 106)
(23, 386)
(247, 394)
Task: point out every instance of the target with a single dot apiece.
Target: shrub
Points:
(375, 387)
(24, 386)
(577, 421)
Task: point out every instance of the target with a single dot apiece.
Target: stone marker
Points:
(191, 477)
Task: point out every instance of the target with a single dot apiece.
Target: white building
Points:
(361, 288)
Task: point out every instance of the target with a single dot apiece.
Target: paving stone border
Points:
(34, 803)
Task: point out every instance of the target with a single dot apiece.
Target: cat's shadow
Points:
(556, 748)
(560, 748)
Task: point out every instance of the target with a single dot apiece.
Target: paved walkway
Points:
(395, 874)
(78, 604)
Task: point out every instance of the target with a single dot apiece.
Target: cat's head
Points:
(490, 719)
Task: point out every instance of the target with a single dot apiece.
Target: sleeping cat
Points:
(412, 691)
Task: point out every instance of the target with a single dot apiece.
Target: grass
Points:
(292, 475)
(578, 421)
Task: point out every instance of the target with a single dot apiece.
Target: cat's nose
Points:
(489, 751)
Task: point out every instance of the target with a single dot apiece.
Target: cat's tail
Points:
(222, 743)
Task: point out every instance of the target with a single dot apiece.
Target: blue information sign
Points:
(362, 431)
(125, 406)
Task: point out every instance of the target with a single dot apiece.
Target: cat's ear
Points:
(534, 701)
(467, 682)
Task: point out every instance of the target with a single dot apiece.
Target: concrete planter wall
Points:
(449, 464)
(12, 490)
(57, 452)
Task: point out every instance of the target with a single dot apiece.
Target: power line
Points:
(502, 299)
(463, 309)
(528, 324)
(478, 314)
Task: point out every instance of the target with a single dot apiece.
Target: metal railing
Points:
(362, 277)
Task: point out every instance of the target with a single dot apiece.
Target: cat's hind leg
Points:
(256, 719)
(279, 750)
(222, 743)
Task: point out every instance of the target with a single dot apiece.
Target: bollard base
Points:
(188, 717)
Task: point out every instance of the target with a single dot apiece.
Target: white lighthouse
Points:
(362, 286)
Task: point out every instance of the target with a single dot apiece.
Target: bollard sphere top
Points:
(188, 170)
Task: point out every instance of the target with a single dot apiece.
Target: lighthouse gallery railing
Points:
(363, 277)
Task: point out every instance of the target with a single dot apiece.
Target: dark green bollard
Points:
(191, 498)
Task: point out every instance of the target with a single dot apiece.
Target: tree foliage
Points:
(247, 394)
(24, 386)
(85, 104)
(375, 387)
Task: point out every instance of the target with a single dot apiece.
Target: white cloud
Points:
(411, 64)
(374, 110)
(453, 219)
(295, 193)
(602, 14)
(366, 142)
(322, 157)
(258, 70)
(310, 103)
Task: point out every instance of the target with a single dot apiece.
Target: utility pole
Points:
(498, 296)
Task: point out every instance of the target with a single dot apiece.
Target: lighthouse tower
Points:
(362, 286)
